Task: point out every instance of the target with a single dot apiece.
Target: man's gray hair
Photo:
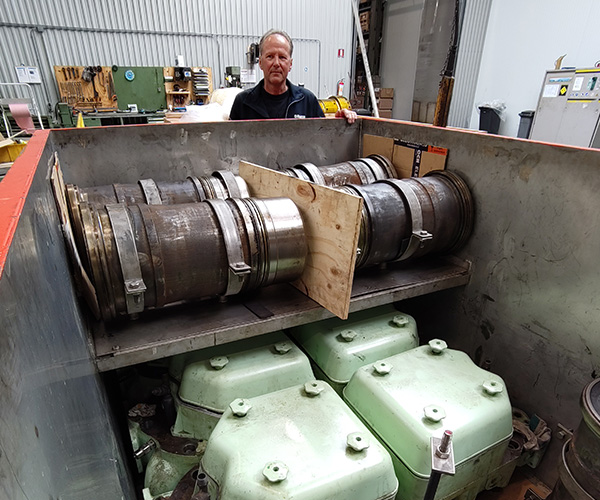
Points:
(269, 33)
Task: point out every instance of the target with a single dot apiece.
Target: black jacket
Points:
(248, 105)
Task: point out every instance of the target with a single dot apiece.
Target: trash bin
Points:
(489, 119)
(525, 123)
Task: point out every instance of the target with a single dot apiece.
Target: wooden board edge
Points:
(332, 224)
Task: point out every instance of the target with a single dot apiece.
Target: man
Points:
(275, 96)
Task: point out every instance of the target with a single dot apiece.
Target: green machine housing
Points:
(302, 443)
(408, 398)
(338, 348)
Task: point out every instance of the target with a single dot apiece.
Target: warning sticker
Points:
(563, 90)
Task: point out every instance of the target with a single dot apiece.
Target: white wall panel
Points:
(212, 33)
(468, 62)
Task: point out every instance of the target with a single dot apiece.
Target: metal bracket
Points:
(238, 269)
(151, 192)
(128, 257)
(442, 455)
(419, 236)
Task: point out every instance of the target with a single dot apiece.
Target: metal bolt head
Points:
(493, 387)
(400, 320)
(219, 362)
(434, 413)
(313, 388)
(382, 368)
(358, 441)
(240, 407)
(348, 335)
(283, 347)
(437, 346)
(275, 472)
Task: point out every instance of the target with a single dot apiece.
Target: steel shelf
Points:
(187, 327)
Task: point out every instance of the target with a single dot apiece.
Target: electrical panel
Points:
(568, 108)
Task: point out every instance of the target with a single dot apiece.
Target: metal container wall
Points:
(408, 398)
(533, 253)
(340, 347)
(301, 442)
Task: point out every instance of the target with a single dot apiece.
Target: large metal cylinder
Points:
(222, 184)
(408, 218)
(148, 256)
(579, 467)
(360, 171)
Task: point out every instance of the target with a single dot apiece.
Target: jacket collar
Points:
(255, 102)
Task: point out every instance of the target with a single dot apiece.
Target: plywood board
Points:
(331, 223)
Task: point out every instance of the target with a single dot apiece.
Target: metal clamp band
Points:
(313, 172)
(419, 236)
(238, 269)
(378, 171)
(228, 179)
(151, 192)
(198, 187)
(128, 257)
(364, 172)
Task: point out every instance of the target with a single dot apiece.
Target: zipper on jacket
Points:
(290, 105)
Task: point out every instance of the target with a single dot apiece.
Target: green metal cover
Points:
(214, 377)
(339, 347)
(417, 394)
(147, 89)
(297, 444)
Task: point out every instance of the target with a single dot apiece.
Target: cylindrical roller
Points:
(360, 171)
(579, 468)
(155, 255)
(408, 218)
(334, 103)
(221, 185)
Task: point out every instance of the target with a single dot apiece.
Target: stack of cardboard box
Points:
(385, 101)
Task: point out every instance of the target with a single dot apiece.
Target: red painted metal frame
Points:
(14, 188)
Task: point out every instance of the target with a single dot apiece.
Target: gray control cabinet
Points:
(568, 108)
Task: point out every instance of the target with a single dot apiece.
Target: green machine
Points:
(413, 396)
(337, 348)
(140, 85)
(300, 443)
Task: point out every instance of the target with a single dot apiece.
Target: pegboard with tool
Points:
(86, 88)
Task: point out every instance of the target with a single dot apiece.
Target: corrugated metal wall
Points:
(468, 62)
(213, 33)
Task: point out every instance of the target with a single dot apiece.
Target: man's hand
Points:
(348, 114)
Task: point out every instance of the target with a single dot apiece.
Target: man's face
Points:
(275, 60)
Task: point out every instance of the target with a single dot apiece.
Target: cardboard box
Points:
(385, 103)
(385, 113)
(386, 93)
(364, 20)
(409, 159)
